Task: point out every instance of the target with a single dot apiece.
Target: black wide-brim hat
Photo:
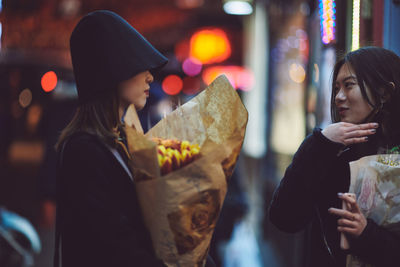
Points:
(106, 50)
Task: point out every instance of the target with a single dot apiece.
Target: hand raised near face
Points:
(349, 133)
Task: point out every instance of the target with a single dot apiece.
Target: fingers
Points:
(364, 126)
(342, 213)
(351, 202)
(351, 221)
(347, 223)
(349, 133)
(357, 140)
(358, 133)
(347, 198)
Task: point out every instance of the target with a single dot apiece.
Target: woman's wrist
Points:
(326, 142)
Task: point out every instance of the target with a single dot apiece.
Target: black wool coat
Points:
(98, 213)
(318, 172)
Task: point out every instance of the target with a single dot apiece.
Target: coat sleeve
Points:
(294, 199)
(89, 183)
(377, 245)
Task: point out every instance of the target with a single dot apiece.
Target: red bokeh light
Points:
(172, 85)
(49, 81)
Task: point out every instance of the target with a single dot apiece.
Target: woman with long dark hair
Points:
(365, 107)
(99, 220)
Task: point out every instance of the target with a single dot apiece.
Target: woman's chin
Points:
(139, 106)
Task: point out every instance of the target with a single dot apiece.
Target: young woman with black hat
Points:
(99, 221)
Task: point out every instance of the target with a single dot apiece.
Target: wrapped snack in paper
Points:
(376, 182)
(181, 206)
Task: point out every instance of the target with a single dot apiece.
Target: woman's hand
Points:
(349, 133)
(352, 221)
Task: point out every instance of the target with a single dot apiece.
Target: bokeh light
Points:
(238, 7)
(192, 66)
(297, 73)
(182, 50)
(316, 73)
(191, 85)
(25, 98)
(238, 76)
(355, 42)
(172, 84)
(49, 81)
(327, 10)
(189, 4)
(33, 117)
(210, 46)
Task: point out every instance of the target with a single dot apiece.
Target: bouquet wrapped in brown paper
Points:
(375, 180)
(181, 207)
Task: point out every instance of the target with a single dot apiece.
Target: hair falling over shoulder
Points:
(99, 117)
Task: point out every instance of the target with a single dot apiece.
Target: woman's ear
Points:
(387, 93)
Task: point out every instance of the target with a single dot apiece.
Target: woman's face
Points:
(136, 90)
(349, 101)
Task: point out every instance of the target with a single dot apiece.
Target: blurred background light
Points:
(189, 4)
(238, 76)
(255, 99)
(172, 85)
(297, 73)
(1, 31)
(33, 117)
(316, 73)
(25, 97)
(210, 46)
(49, 81)
(191, 85)
(238, 7)
(164, 107)
(70, 8)
(192, 66)
(182, 50)
(327, 11)
(355, 44)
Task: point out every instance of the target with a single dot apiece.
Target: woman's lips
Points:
(147, 92)
(342, 111)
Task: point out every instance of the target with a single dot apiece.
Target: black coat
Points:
(318, 172)
(99, 217)
(98, 213)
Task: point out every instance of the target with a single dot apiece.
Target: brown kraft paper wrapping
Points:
(180, 209)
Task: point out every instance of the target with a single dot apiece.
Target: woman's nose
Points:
(150, 77)
(340, 96)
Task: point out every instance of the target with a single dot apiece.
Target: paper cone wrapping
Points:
(376, 182)
(181, 208)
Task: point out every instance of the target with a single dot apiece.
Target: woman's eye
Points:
(349, 84)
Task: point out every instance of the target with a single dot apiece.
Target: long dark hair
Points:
(99, 117)
(377, 69)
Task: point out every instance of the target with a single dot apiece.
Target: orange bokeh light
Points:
(210, 46)
(172, 84)
(49, 81)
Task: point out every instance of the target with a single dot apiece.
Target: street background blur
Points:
(278, 54)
